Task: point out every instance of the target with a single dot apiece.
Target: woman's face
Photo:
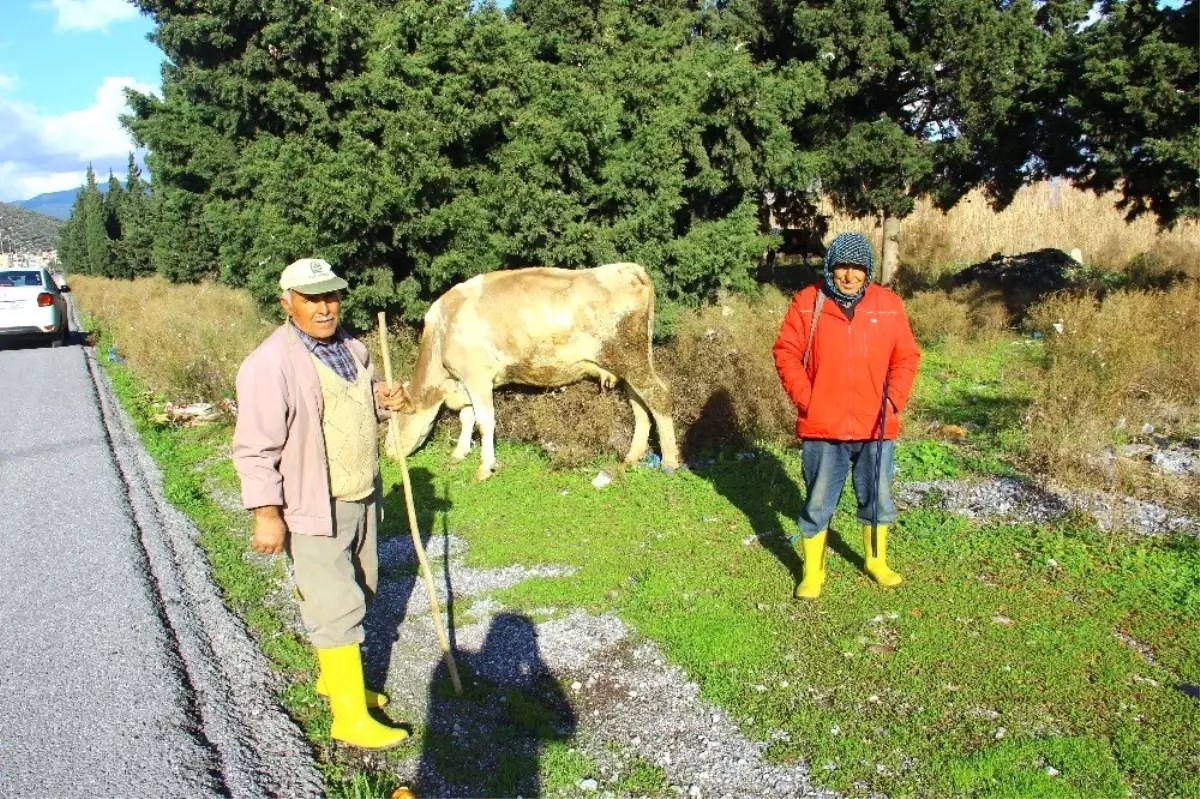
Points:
(849, 278)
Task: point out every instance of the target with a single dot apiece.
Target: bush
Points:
(1119, 364)
(937, 316)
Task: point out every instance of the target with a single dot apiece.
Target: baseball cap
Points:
(310, 276)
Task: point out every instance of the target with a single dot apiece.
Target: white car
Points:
(32, 305)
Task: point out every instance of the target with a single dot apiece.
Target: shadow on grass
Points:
(399, 573)
(488, 742)
(755, 481)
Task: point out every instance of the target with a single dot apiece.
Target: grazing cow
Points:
(537, 327)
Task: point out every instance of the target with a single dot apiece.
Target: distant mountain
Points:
(55, 203)
(28, 231)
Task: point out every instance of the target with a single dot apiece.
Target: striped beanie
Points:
(848, 248)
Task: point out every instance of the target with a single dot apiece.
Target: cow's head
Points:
(414, 428)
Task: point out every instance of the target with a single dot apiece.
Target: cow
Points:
(537, 326)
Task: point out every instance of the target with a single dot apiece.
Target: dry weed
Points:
(185, 341)
(1119, 367)
(1049, 214)
(938, 316)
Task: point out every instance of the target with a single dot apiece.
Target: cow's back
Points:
(542, 325)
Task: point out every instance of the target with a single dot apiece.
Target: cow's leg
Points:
(485, 419)
(641, 428)
(657, 397)
(606, 378)
(466, 421)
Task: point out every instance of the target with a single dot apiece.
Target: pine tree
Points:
(72, 246)
(1132, 88)
(137, 235)
(95, 232)
(923, 97)
(111, 203)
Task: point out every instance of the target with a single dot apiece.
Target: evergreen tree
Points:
(72, 246)
(1131, 83)
(112, 201)
(924, 97)
(137, 235)
(95, 231)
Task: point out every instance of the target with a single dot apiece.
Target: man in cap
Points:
(847, 359)
(306, 450)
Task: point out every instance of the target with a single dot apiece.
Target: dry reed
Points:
(1048, 214)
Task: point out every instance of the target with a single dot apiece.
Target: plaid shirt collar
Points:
(332, 352)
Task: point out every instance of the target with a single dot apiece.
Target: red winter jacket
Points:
(838, 396)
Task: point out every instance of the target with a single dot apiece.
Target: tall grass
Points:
(1050, 214)
(184, 341)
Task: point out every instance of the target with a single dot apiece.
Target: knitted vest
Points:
(351, 432)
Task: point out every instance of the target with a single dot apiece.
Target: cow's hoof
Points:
(456, 459)
(483, 474)
(669, 469)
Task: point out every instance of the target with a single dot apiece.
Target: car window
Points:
(14, 278)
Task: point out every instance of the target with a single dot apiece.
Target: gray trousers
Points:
(336, 575)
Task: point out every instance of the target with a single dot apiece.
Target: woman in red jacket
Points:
(844, 343)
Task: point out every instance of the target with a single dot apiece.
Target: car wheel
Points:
(58, 339)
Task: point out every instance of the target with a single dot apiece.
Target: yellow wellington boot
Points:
(342, 668)
(814, 567)
(374, 700)
(877, 557)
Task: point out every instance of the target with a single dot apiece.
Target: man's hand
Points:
(270, 530)
(393, 399)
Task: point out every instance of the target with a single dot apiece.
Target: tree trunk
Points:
(891, 249)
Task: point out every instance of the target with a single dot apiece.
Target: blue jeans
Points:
(826, 464)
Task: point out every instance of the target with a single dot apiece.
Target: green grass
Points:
(998, 654)
(984, 387)
(994, 664)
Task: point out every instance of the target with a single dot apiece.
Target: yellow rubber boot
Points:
(877, 557)
(374, 700)
(814, 567)
(342, 668)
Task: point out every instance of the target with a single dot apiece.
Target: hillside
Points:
(27, 230)
(55, 203)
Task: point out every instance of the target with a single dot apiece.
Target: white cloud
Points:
(40, 153)
(88, 15)
(7, 82)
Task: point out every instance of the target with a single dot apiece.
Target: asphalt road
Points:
(121, 673)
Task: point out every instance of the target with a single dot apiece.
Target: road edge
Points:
(260, 750)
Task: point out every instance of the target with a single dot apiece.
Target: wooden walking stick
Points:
(447, 655)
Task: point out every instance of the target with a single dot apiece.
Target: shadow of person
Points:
(399, 570)
(755, 481)
(488, 742)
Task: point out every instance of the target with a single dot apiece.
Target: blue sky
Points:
(63, 65)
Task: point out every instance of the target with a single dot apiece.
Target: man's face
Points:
(315, 314)
(849, 278)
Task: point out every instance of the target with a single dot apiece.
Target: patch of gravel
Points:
(619, 700)
(1018, 500)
